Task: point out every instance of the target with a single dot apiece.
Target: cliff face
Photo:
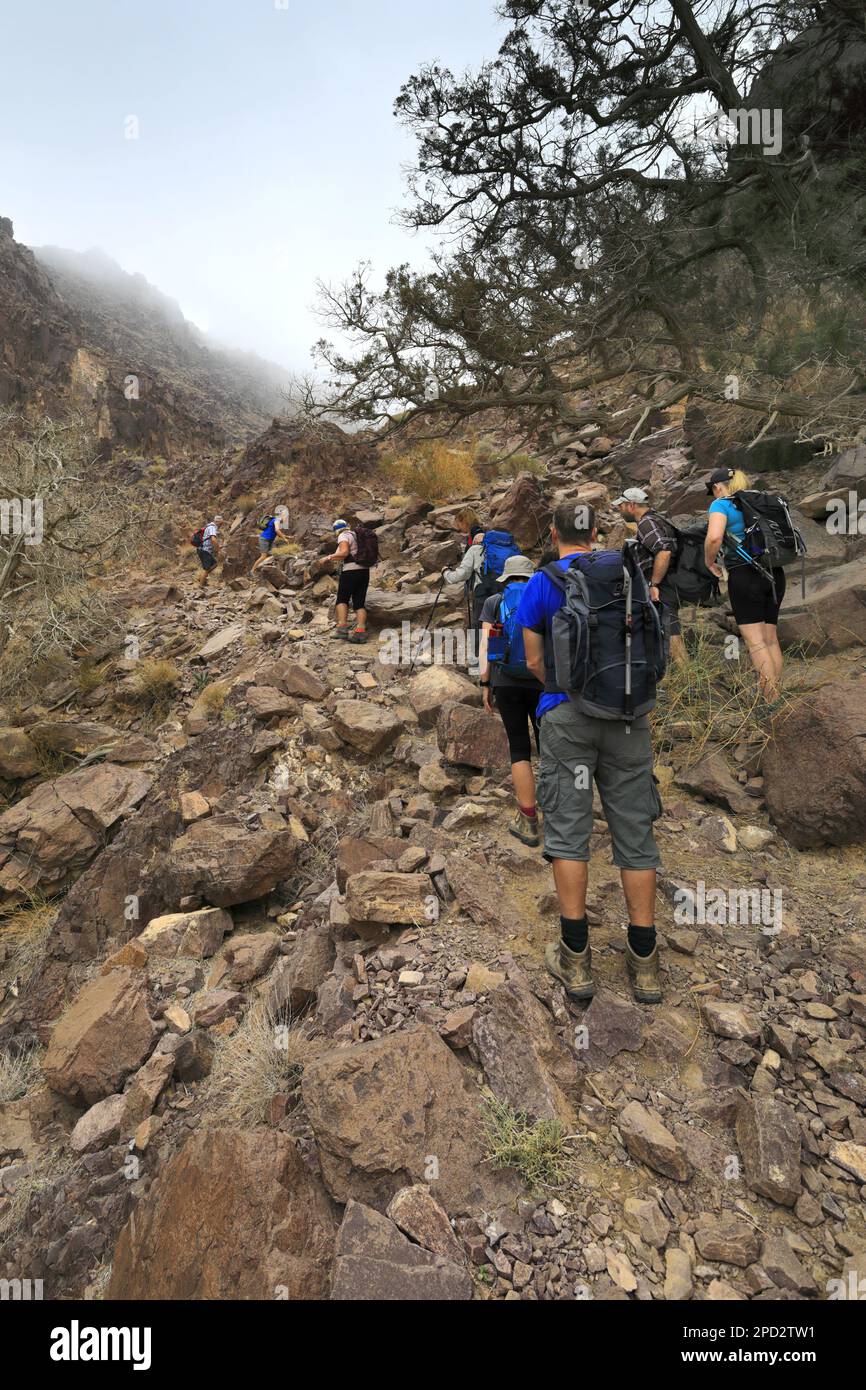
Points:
(77, 332)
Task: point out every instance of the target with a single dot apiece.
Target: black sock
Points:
(575, 932)
(642, 940)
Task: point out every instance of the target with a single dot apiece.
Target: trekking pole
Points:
(629, 618)
(427, 625)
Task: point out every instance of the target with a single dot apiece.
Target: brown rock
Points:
(468, 735)
(396, 1111)
(298, 976)
(429, 690)
(731, 1021)
(648, 1141)
(50, 836)
(19, 757)
(250, 956)
(813, 798)
(420, 1217)
(103, 1036)
(235, 1215)
(728, 1241)
(196, 934)
(295, 679)
(712, 779)
(768, 1136)
(525, 1062)
(220, 860)
(368, 727)
(374, 1262)
(392, 899)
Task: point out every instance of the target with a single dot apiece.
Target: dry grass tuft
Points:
(264, 1057)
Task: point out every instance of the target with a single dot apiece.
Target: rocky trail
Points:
(273, 1008)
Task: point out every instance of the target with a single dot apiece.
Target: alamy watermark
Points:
(22, 516)
(729, 907)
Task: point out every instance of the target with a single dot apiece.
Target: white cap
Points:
(633, 494)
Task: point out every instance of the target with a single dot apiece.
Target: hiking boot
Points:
(643, 972)
(571, 968)
(341, 630)
(524, 827)
(359, 635)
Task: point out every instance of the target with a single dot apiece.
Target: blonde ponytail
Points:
(739, 482)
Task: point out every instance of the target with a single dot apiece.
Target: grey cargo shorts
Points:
(575, 748)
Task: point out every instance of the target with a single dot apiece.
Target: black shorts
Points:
(352, 588)
(207, 559)
(751, 595)
(516, 706)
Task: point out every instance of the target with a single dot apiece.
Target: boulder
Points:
(105, 1034)
(832, 617)
(75, 737)
(392, 899)
(470, 736)
(19, 757)
(525, 1062)
(712, 779)
(397, 1111)
(768, 1136)
(649, 1141)
(295, 679)
(429, 690)
(99, 1126)
(634, 462)
(374, 1262)
(847, 472)
(420, 1217)
(386, 607)
(298, 976)
(220, 860)
(236, 1214)
(266, 702)
(368, 727)
(355, 854)
(50, 836)
(196, 934)
(481, 894)
(250, 956)
(524, 510)
(814, 767)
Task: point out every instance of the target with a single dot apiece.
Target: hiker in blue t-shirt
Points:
(575, 749)
(275, 525)
(754, 595)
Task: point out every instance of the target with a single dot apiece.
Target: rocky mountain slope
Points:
(272, 966)
(78, 332)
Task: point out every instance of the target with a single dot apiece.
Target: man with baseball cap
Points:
(657, 548)
(209, 550)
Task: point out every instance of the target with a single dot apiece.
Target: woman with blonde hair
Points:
(755, 593)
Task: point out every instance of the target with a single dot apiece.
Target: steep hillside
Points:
(329, 1006)
(78, 332)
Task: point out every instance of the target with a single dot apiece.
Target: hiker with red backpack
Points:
(357, 551)
(510, 689)
(595, 639)
(753, 532)
(207, 544)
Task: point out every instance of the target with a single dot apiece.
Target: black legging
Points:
(516, 707)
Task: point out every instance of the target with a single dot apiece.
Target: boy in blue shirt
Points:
(575, 749)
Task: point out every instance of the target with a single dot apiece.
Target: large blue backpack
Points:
(496, 548)
(607, 648)
(505, 639)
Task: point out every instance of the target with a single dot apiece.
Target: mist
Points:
(232, 152)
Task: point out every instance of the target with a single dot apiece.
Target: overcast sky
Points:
(267, 153)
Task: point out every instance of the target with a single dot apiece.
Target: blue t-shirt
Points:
(269, 532)
(736, 524)
(541, 599)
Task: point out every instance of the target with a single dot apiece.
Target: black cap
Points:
(721, 475)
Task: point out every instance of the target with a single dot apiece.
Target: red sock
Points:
(529, 811)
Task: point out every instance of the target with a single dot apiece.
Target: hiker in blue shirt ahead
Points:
(575, 749)
(755, 595)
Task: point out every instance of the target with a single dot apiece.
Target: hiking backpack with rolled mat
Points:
(772, 541)
(607, 647)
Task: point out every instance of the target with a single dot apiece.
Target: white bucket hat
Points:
(517, 566)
